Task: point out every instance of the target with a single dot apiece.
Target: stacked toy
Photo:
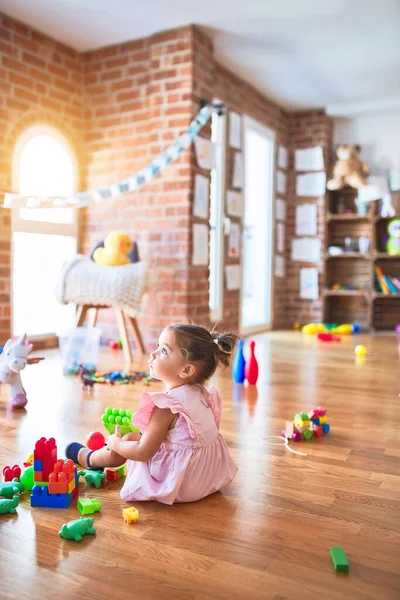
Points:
(55, 481)
(332, 328)
(306, 426)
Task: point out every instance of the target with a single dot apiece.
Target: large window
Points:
(43, 165)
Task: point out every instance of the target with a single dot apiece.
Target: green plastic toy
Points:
(93, 477)
(87, 506)
(8, 489)
(393, 243)
(75, 530)
(121, 417)
(8, 506)
(28, 478)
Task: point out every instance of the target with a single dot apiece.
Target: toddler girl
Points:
(180, 456)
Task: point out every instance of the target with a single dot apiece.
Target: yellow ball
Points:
(360, 350)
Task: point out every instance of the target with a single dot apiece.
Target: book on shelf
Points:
(385, 283)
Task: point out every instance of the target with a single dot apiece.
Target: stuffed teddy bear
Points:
(348, 169)
(116, 248)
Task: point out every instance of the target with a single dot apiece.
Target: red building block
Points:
(46, 451)
(9, 473)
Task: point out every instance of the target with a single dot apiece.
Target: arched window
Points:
(43, 165)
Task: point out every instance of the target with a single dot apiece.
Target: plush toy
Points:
(393, 243)
(116, 248)
(348, 169)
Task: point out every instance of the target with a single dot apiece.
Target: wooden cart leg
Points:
(123, 332)
(93, 313)
(137, 335)
(81, 314)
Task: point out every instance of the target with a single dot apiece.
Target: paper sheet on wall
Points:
(311, 184)
(279, 266)
(283, 157)
(232, 277)
(234, 203)
(280, 237)
(205, 152)
(306, 250)
(395, 180)
(309, 284)
(280, 210)
(281, 182)
(306, 219)
(201, 196)
(200, 244)
(235, 130)
(234, 241)
(237, 170)
(309, 159)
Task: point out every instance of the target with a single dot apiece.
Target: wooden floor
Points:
(268, 535)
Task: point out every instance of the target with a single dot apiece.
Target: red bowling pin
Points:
(251, 371)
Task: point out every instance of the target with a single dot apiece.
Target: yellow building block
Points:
(322, 420)
(130, 515)
(71, 486)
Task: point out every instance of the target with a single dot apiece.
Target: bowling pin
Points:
(239, 363)
(251, 370)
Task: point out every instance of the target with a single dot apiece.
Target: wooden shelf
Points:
(347, 292)
(348, 217)
(386, 256)
(382, 295)
(379, 218)
(350, 255)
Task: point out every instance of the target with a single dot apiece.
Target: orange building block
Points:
(62, 479)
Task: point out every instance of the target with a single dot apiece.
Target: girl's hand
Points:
(114, 439)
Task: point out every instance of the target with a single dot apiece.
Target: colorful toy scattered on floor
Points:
(13, 359)
(75, 530)
(115, 344)
(121, 417)
(10, 473)
(306, 426)
(332, 328)
(120, 377)
(55, 481)
(241, 369)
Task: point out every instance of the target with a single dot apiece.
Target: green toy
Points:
(8, 489)
(121, 417)
(87, 506)
(28, 478)
(93, 477)
(8, 506)
(393, 243)
(75, 530)
(339, 559)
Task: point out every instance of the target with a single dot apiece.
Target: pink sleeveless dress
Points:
(193, 460)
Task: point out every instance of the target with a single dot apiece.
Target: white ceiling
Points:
(302, 53)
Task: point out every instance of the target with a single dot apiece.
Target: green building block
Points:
(87, 506)
(121, 417)
(307, 434)
(339, 560)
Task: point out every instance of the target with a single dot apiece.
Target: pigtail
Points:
(224, 347)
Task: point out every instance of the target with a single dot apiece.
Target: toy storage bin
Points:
(79, 346)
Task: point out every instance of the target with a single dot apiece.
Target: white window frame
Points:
(270, 134)
(217, 303)
(19, 224)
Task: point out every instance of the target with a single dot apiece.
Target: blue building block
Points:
(38, 465)
(315, 420)
(40, 498)
(325, 428)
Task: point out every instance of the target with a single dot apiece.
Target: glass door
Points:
(259, 142)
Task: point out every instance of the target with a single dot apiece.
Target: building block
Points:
(38, 465)
(38, 476)
(296, 437)
(323, 420)
(75, 530)
(114, 473)
(315, 420)
(75, 493)
(130, 515)
(339, 559)
(317, 431)
(326, 428)
(10, 473)
(40, 498)
(45, 451)
(41, 483)
(121, 417)
(61, 478)
(321, 411)
(88, 506)
(307, 434)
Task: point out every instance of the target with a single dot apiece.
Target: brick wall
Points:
(306, 130)
(40, 82)
(120, 106)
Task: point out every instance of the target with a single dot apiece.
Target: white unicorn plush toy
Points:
(13, 359)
